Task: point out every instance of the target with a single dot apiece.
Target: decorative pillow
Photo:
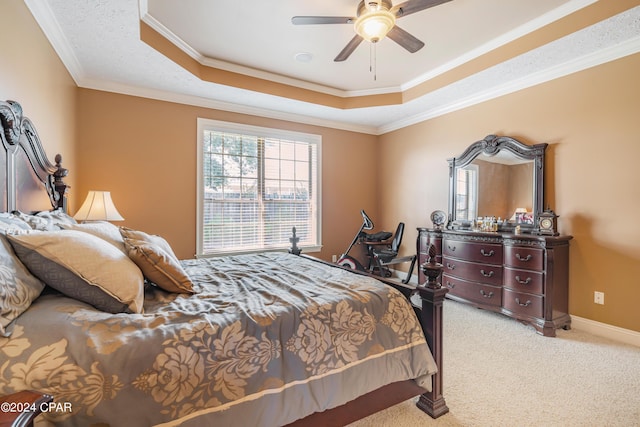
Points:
(157, 261)
(103, 229)
(10, 223)
(36, 222)
(58, 217)
(18, 287)
(84, 267)
(46, 220)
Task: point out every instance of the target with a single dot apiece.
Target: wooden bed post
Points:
(60, 186)
(432, 294)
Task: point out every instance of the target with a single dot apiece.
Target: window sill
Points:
(305, 250)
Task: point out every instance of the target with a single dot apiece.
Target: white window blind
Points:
(255, 184)
(467, 193)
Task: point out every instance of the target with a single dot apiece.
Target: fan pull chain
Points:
(373, 59)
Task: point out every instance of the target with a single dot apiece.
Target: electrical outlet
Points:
(334, 258)
(598, 297)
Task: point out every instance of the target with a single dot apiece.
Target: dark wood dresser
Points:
(525, 276)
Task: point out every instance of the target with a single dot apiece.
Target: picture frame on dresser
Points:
(520, 265)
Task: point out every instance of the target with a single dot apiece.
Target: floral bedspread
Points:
(266, 339)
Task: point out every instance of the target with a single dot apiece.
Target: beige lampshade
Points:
(98, 206)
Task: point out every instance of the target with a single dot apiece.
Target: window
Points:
(467, 193)
(254, 185)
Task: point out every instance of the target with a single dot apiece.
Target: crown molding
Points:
(196, 101)
(47, 21)
(508, 37)
(626, 48)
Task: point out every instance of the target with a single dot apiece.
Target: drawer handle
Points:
(490, 253)
(451, 248)
(450, 285)
(526, 304)
(524, 259)
(523, 282)
(451, 266)
(485, 294)
(485, 274)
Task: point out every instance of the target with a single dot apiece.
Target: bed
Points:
(119, 332)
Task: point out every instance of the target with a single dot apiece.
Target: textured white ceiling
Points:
(99, 42)
(257, 35)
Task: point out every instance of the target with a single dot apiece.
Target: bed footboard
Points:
(429, 309)
(433, 402)
(20, 409)
(431, 314)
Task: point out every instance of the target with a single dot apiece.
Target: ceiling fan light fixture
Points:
(373, 25)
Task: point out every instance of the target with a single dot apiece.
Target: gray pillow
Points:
(18, 287)
(84, 267)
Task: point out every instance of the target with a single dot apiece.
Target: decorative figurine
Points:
(294, 243)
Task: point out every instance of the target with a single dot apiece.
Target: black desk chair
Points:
(385, 256)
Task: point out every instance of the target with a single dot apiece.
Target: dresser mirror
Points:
(497, 185)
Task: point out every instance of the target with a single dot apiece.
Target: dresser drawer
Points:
(471, 291)
(484, 273)
(487, 253)
(519, 257)
(522, 303)
(524, 280)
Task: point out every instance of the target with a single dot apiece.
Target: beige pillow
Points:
(157, 261)
(103, 229)
(84, 267)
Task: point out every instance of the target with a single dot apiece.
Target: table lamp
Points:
(98, 206)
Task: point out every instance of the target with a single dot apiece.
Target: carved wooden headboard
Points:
(26, 169)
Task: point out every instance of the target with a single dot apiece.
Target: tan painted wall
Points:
(591, 121)
(32, 74)
(144, 152)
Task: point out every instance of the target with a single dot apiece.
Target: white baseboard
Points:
(616, 333)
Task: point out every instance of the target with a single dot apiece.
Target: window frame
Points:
(260, 132)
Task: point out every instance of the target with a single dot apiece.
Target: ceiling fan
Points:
(374, 20)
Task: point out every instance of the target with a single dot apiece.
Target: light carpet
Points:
(499, 372)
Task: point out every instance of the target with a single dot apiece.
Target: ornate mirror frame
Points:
(490, 146)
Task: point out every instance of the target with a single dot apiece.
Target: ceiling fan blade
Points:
(405, 39)
(349, 48)
(315, 20)
(413, 6)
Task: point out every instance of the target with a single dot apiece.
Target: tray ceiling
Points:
(241, 55)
